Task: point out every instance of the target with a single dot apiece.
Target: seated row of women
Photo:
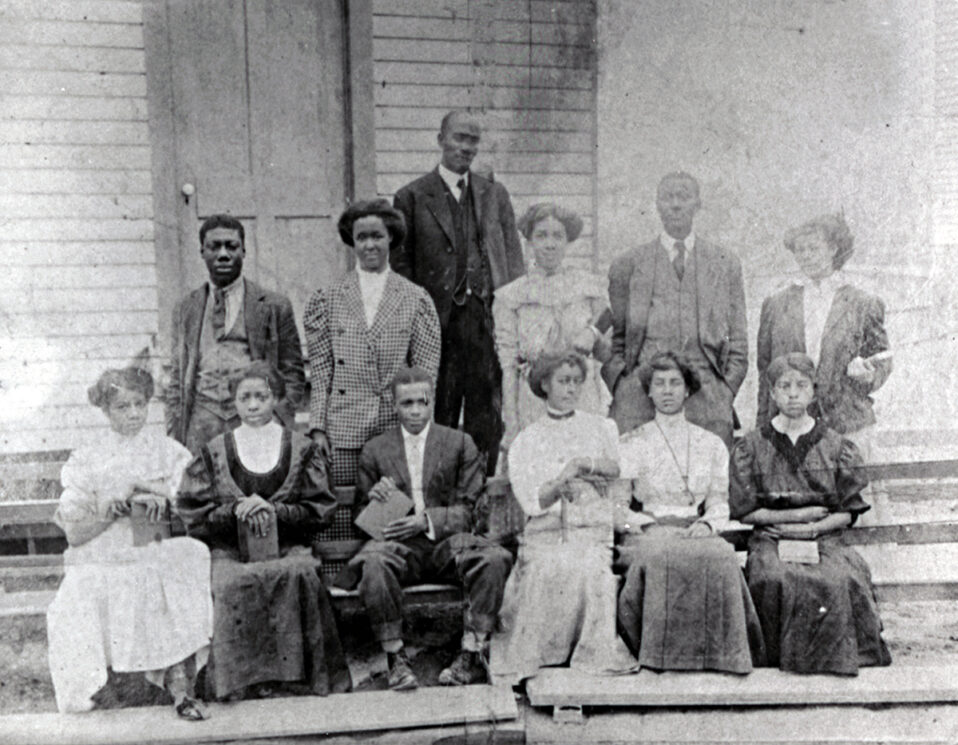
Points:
(168, 608)
(807, 605)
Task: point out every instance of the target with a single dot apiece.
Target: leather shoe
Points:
(466, 669)
(401, 676)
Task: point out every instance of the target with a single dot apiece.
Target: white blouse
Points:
(541, 451)
(678, 466)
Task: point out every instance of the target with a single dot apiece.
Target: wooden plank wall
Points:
(527, 66)
(78, 284)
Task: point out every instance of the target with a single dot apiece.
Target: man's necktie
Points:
(219, 313)
(461, 185)
(679, 261)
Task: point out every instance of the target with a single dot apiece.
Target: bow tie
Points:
(560, 414)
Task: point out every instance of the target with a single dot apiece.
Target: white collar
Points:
(452, 178)
(266, 433)
(827, 286)
(372, 277)
(233, 287)
(407, 435)
(668, 242)
(671, 421)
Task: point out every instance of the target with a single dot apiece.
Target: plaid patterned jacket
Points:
(351, 365)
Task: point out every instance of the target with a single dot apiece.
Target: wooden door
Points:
(251, 95)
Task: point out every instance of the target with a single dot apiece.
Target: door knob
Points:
(188, 190)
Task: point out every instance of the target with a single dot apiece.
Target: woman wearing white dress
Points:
(559, 602)
(552, 308)
(133, 609)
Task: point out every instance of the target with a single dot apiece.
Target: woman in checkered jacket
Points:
(359, 333)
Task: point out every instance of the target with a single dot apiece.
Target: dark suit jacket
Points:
(272, 334)
(855, 327)
(452, 475)
(721, 310)
(428, 255)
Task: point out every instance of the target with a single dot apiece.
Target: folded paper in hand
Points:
(798, 552)
(378, 514)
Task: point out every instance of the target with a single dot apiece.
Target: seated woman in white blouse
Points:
(685, 604)
(123, 606)
(559, 603)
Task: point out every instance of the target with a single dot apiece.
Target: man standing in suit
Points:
(441, 470)
(218, 330)
(682, 293)
(461, 245)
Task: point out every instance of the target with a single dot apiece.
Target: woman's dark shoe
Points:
(401, 676)
(190, 710)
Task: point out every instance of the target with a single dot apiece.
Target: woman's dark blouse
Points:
(297, 487)
(821, 468)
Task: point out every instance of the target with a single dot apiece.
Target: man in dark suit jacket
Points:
(218, 330)
(461, 245)
(682, 293)
(441, 470)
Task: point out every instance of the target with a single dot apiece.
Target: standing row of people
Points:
(439, 317)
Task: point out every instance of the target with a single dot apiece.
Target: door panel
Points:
(256, 94)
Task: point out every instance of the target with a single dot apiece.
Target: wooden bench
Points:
(38, 542)
(30, 520)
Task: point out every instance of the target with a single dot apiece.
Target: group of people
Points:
(434, 355)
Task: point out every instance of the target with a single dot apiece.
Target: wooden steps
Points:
(927, 724)
(269, 718)
(562, 687)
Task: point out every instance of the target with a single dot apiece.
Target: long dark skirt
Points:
(685, 606)
(273, 621)
(816, 618)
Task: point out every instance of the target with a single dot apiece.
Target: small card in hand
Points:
(255, 548)
(378, 514)
(145, 532)
(798, 552)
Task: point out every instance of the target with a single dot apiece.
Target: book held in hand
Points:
(255, 548)
(378, 514)
(145, 532)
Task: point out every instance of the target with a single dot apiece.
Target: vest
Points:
(673, 313)
(219, 362)
(472, 270)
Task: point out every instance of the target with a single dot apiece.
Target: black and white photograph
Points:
(478, 372)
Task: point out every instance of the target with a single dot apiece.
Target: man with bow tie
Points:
(218, 330)
(462, 244)
(684, 294)
(442, 472)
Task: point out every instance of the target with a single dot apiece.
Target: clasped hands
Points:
(576, 473)
(802, 525)
(255, 512)
(698, 529)
(154, 494)
(403, 527)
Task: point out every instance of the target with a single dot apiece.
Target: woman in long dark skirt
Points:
(800, 484)
(273, 620)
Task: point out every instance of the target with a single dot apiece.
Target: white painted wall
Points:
(785, 110)
(77, 266)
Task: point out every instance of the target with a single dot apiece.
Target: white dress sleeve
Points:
(78, 502)
(178, 458)
(529, 469)
(716, 499)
